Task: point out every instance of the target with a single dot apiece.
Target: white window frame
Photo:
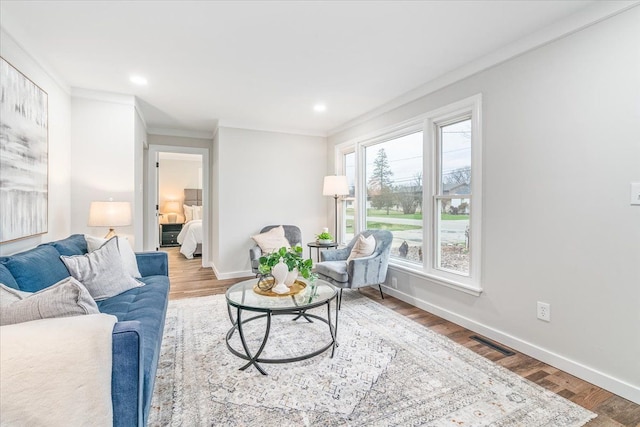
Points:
(428, 123)
(342, 220)
(466, 108)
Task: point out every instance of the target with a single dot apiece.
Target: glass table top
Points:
(314, 294)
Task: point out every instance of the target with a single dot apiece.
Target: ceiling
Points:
(264, 64)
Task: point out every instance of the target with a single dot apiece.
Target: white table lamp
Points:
(109, 214)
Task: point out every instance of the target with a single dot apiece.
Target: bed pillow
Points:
(364, 247)
(101, 271)
(66, 298)
(188, 213)
(197, 212)
(272, 240)
(129, 261)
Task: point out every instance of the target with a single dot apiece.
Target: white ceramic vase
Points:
(291, 277)
(279, 273)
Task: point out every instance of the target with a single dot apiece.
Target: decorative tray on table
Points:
(263, 287)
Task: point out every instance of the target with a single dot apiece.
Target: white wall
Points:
(59, 109)
(103, 155)
(561, 127)
(176, 175)
(265, 178)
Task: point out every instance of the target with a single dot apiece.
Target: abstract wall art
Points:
(24, 148)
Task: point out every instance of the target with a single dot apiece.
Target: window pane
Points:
(348, 205)
(455, 166)
(393, 171)
(453, 235)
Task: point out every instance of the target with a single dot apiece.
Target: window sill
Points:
(443, 281)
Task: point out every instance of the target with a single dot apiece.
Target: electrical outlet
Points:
(394, 282)
(544, 311)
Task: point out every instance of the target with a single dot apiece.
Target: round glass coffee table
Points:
(243, 298)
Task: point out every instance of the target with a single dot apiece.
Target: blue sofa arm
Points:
(126, 375)
(153, 263)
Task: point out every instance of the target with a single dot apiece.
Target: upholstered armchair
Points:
(291, 232)
(358, 272)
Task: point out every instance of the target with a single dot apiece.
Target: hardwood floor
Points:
(189, 279)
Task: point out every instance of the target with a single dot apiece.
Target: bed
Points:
(190, 238)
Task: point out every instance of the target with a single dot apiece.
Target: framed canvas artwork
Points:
(24, 152)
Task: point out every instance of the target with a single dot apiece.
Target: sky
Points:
(406, 157)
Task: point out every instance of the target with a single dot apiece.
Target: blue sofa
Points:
(141, 312)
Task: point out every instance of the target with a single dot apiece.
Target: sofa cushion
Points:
(64, 299)
(337, 270)
(36, 269)
(147, 305)
(101, 271)
(6, 277)
(72, 245)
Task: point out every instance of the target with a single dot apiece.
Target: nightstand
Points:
(169, 234)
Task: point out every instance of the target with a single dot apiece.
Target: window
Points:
(393, 173)
(349, 214)
(421, 180)
(453, 197)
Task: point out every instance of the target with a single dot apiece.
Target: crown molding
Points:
(291, 131)
(181, 133)
(6, 37)
(591, 15)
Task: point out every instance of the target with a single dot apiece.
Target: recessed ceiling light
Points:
(319, 108)
(139, 80)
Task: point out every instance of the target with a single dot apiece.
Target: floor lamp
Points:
(336, 186)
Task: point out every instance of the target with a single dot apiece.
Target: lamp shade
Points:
(109, 214)
(335, 185)
(171, 206)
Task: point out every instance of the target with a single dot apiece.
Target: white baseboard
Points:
(230, 275)
(612, 384)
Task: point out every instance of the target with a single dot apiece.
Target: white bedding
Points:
(190, 237)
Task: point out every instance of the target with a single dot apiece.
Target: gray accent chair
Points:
(291, 232)
(359, 272)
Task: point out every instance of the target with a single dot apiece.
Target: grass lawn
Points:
(397, 214)
(382, 226)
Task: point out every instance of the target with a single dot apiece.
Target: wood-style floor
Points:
(189, 279)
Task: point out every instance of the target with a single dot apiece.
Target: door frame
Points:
(153, 239)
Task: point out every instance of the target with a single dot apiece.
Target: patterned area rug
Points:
(387, 371)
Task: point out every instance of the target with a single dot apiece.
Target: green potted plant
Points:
(292, 258)
(324, 238)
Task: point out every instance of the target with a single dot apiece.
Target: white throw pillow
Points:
(101, 271)
(188, 213)
(129, 261)
(272, 240)
(363, 247)
(9, 295)
(66, 298)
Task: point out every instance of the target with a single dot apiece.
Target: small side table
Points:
(169, 234)
(319, 246)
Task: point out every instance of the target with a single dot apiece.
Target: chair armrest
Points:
(335, 254)
(255, 253)
(153, 263)
(366, 271)
(126, 375)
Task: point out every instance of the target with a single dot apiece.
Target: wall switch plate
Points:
(635, 193)
(544, 311)
(394, 282)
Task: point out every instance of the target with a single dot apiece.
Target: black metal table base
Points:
(255, 359)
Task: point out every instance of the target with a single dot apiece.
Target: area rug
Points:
(387, 371)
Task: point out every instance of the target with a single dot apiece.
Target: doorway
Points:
(178, 200)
